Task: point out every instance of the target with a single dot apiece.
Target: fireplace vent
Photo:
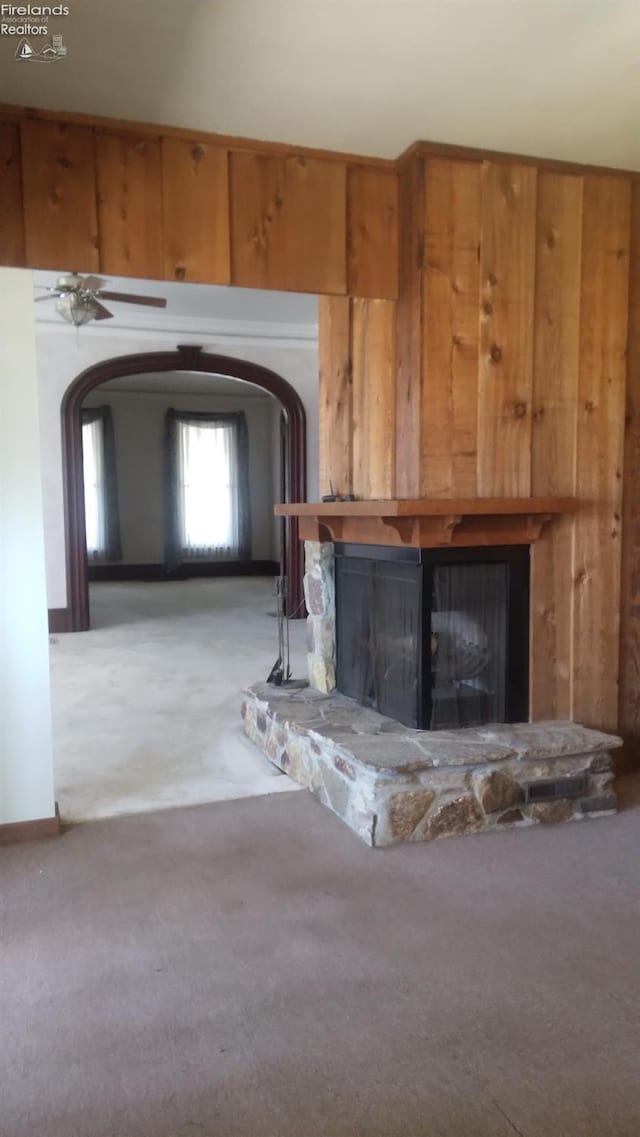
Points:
(554, 788)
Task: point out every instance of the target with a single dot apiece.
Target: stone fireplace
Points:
(415, 721)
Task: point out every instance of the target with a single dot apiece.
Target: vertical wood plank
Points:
(374, 397)
(129, 205)
(506, 330)
(372, 232)
(409, 379)
(59, 184)
(335, 408)
(553, 454)
(12, 252)
(599, 451)
(451, 328)
(288, 223)
(195, 190)
(629, 699)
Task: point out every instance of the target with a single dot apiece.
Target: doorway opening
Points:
(193, 360)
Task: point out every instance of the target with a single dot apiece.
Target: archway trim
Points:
(185, 358)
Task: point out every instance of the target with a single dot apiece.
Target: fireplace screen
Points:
(434, 638)
(468, 645)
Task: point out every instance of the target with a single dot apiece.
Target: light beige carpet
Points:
(251, 969)
(146, 705)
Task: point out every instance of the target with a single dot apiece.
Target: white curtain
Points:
(208, 507)
(94, 488)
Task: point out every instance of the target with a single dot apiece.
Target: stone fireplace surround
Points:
(393, 784)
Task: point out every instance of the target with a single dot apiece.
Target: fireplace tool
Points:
(281, 671)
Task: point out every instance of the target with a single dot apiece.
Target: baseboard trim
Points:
(158, 572)
(40, 829)
(58, 620)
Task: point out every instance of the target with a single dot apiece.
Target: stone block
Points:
(345, 767)
(511, 817)
(461, 815)
(294, 765)
(551, 768)
(602, 783)
(496, 790)
(602, 764)
(336, 790)
(318, 555)
(319, 583)
(322, 674)
(318, 596)
(406, 810)
(321, 637)
(604, 803)
(551, 812)
(540, 740)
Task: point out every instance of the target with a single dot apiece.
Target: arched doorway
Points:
(185, 358)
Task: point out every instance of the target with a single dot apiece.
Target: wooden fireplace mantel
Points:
(429, 523)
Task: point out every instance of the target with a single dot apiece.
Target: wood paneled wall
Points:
(110, 199)
(473, 321)
(629, 705)
(511, 327)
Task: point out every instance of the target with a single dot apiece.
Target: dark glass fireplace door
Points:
(468, 647)
(378, 617)
(431, 643)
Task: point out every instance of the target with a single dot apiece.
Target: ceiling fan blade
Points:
(92, 283)
(51, 296)
(129, 298)
(102, 313)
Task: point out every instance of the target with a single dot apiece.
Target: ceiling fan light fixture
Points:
(76, 309)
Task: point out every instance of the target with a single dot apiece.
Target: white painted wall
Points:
(26, 759)
(557, 77)
(63, 354)
(138, 423)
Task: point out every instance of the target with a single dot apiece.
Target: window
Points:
(207, 464)
(100, 492)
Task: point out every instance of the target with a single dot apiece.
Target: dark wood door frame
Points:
(185, 358)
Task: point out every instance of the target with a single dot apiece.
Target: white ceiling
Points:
(194, 302)
(558, 78)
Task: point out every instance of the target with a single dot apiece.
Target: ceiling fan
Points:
(79, 298)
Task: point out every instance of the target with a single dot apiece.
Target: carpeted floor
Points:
(146, 706)
(249, 969)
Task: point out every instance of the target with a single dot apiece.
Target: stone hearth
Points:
(391, 784)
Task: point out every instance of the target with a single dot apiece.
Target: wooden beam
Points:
(451, 328)
(129, 182)
(629, 699)
(409, 376)
(599, 451)
(506, 329)
(59, 183)
(195, 181)
(553, 450)
(12, 250)
(288, 223)
(335, 395)
(372, 233)
(374, 397)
